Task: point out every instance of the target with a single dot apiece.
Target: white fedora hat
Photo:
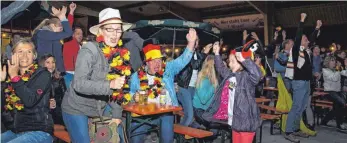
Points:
(109, 16)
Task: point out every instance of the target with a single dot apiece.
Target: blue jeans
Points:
(288, 84)
(26, 137)
(166, 129)
(185, 97)
(301, 93)
(68, 78)
(77, 126)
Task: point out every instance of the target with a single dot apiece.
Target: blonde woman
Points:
(28, 87)
(206, 85)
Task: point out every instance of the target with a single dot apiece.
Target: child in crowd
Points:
(58, 87)
(235, 97)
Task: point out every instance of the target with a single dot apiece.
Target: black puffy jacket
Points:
(183, 78)
(35, 95)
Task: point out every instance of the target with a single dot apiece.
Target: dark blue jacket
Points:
(246, 114)
(48, 42)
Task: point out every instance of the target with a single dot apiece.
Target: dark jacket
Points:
(305, 72)
(48, 42)
(183, 78)
(58, 91)
(134, 43)
(246, 116)
(35, 95)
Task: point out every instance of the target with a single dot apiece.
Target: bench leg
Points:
(261, 133)
(272, 127)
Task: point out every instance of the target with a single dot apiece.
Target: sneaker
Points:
(153, 137)
(300, 134)
(291, 138)
(342, 128)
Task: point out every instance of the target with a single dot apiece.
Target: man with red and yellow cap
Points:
(156, 77)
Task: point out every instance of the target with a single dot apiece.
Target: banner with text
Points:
(238, 22)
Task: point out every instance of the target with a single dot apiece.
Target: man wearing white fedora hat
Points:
(96, 79)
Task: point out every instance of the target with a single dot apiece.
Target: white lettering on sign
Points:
(155, 22)
(190, 24)
(238, 22)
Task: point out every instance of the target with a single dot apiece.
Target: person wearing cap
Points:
(156, 77)
(89, 92)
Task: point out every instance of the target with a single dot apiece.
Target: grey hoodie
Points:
(89, 91)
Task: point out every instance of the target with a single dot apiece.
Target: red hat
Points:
(249, 53)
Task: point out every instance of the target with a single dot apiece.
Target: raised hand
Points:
(239, 57)
(244, 34)
(284, 34)
(275, 35)
(191, 38)
(117, 83)
(3, 72)
(72, 7)
(45, 5)
(303, 17)
(319, 24)
(216, 48)
(13, 68)
(255, 36)
(207, 48)
(60, 13)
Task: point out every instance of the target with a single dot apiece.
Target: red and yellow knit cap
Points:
(151, 52)
(245, 54)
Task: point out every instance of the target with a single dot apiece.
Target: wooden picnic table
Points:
(319, 93)
(270, 89)
(319, 89)
(262, 100)
(147, 112)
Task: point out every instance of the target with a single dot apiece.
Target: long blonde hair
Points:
(208, 71)
(46, 22)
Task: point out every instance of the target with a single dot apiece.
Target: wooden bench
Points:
(191, 132)
(324, 102)
(322, 105)
(61, 133)
(272, 109)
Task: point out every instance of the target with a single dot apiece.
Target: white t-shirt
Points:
(167, 98)
(194, 74)
(290, 71)
(232, 88)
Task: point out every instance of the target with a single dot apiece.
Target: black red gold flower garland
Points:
(12, 100)
(155, 89)
(119, 61)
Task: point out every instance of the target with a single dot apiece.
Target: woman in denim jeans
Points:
(27, 88)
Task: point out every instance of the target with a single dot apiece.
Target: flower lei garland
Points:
(12, 100)
(155, 89)
(119, 61)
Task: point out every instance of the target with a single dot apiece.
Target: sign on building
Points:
(238, 22)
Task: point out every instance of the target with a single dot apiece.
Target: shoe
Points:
(300, 134)
(291, 138)
(342, 128)
(154, 137)
(325, 125)
(311, 127)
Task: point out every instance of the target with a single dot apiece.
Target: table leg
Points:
(128, 124)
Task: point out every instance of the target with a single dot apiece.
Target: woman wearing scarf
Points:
(99, 77)
(27, 94)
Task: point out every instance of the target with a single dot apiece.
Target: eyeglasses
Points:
(113, 30)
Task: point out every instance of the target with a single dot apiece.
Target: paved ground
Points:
(325, 135)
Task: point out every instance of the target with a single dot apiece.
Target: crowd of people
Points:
(52, 78)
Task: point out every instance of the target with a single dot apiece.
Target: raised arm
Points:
(179, 63)
(251, 68)
(314, 35)
(70, 17)
(298, 37)
(220, 67)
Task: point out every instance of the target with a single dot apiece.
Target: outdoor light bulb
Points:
(84, 42)
(167, 50)
(177, 50)
(224, 49)
(4, 35)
